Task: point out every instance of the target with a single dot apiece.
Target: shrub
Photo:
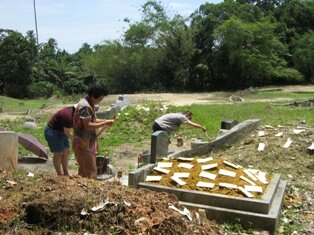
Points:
(40, 89)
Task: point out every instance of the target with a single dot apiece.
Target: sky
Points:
(74, 22)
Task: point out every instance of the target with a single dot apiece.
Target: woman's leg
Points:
(79, 156)
(91, 167)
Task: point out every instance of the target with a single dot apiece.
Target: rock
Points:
(30, 125)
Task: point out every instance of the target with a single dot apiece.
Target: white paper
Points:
(207, 175)
(185, 211)
(249, 174)
(261, 147)
(227, 173)
(185, 165)
(311, 147)
(209, 166)
(164, 164)
(252, 188)
(181, 174)
(205, 184)
(231, 164)
(269, 126)
(151, 178)
(287, 144)
(261, 133)
(159, 169)
(178, 181)
(279, 134)
(247, 180)
(227, 185)
(260, 175)
(203, 160)
(188, 159)
(298, 131)
(246, 193)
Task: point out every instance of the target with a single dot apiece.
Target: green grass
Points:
(134, 125)
(281, 94)
(16, 105)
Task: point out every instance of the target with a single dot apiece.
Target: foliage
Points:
(40, 89)
(303, 55)
(226, 46)
(17, 54)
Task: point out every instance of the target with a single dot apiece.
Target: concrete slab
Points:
(219, 200)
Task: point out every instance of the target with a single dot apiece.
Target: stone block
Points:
(228, 124)
(138, 175)
(159, 145)
(8, 150)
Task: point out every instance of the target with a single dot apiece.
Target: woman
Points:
(85, 125)
(57, 134)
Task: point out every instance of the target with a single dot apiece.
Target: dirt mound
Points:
(45, 204)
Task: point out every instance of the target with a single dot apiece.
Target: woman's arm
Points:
(68, 132)
(95, 125)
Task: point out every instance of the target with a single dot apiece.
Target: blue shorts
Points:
(57, 140)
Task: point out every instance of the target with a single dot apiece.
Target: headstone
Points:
(8, 150)
(228, 124)
(115, 108)
(159, 145)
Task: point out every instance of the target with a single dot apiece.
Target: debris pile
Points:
(45, 204)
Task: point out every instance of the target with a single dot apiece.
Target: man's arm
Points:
(193, 124)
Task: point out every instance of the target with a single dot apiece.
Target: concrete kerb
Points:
(139, 175)
(227, 137)
(268, 221)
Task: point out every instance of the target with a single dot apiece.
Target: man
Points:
(57, 133)
(172, 121)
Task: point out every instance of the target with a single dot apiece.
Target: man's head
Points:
(188, 114)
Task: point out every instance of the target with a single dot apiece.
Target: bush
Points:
(40, 89)
(74, 86)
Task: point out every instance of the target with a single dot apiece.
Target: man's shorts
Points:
(57, 140)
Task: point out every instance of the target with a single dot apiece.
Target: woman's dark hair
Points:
(97, 90)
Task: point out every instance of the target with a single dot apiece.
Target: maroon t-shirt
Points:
(62, 118)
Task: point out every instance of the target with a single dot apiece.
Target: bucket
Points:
(102, 163)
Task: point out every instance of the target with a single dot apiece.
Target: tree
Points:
(252, 54)
(17, 55)
(303, 55)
